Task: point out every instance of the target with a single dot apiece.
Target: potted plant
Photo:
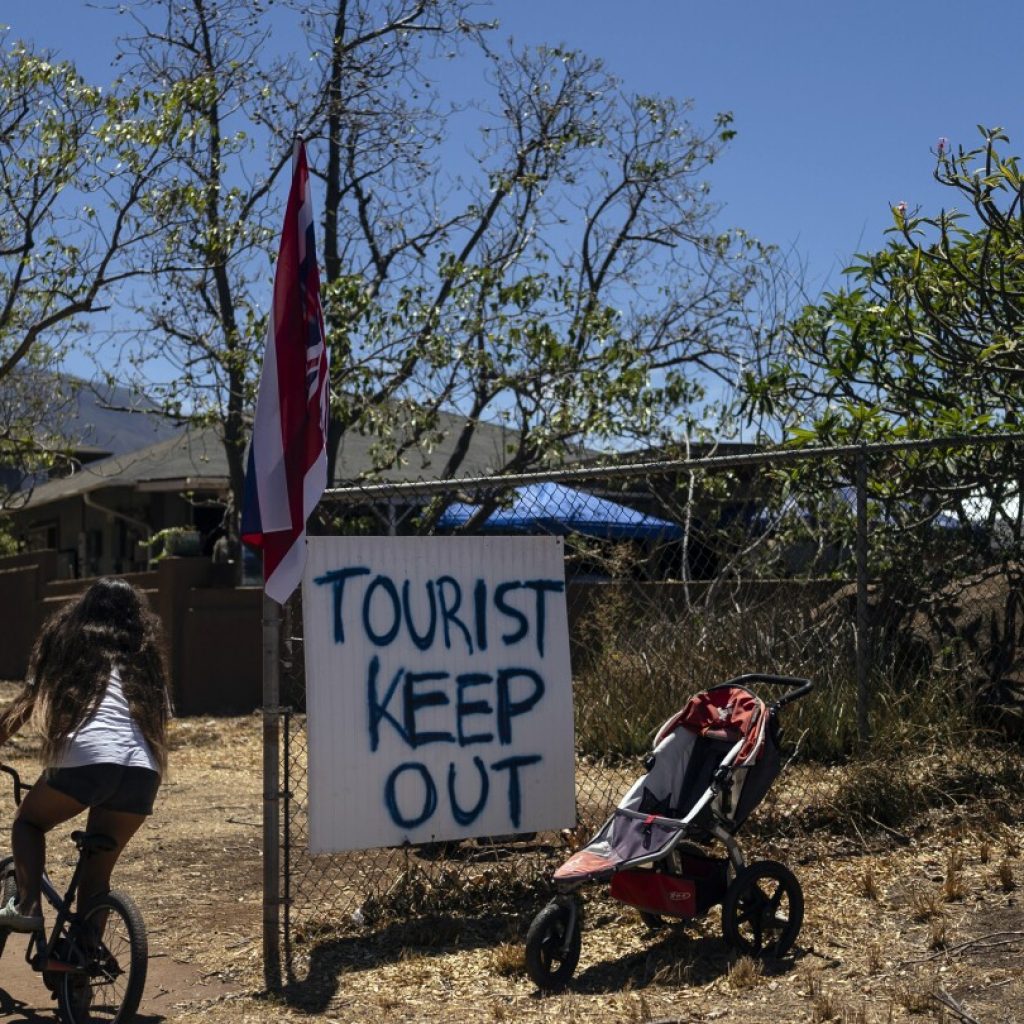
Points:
(174, 542)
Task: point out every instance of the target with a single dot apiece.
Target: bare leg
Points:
(43, 808)
(120, 826)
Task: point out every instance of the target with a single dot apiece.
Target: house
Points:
(100, 517)
(88, 422)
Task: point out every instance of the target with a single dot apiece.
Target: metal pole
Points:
(863, 697)
(271, 794)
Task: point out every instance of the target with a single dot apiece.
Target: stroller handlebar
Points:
(800, 687)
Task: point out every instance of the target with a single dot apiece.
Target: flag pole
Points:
(271, 794)
(286, 474)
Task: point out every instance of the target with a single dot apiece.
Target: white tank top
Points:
(108, 736)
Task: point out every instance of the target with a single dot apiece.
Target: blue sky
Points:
(837, 106)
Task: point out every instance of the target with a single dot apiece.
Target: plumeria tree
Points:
(74, 164)
(566, 277)
(924, 342)
(571, 282)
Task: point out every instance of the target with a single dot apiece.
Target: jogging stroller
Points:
(712, 764)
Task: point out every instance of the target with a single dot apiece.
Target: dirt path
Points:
(172, 989)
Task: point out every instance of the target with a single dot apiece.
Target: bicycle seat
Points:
(93, 842)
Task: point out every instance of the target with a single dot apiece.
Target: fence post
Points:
(863, 653)
(271, 793)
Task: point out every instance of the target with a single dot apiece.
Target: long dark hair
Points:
(108, 627)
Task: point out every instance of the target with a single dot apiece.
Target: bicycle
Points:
(95, 960)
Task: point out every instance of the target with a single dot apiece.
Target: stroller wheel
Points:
(653, 921)
(763, 910)
(553, 944)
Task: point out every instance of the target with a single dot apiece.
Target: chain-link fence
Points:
(889, 575)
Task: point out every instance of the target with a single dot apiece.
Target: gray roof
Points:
(194, 460)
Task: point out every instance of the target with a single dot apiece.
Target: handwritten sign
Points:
(439, 693)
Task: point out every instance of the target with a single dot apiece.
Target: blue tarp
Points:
(556, 509)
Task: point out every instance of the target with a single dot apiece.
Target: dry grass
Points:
(869, 953)
(874, 958)
(954, 885)
(916, 995)
(746, 973)
(869, 885)
(509, 960)
(1005, 876)
(925, 906)
(825, 1006)
(937, 933)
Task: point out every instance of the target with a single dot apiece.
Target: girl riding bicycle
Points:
(97, 691)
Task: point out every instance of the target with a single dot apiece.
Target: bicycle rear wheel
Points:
(114, 936)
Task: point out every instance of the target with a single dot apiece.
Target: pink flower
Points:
(943, 143)
(901, 209)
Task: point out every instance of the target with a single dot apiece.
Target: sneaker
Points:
(12, 921)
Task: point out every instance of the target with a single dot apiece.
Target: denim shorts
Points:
(112, 787)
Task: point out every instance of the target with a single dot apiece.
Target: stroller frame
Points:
(693, 882)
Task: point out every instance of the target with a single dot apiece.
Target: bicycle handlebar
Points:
(19, 786)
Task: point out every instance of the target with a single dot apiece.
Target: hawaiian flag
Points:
(287, 469)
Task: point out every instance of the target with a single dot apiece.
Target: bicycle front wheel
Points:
(112, 936)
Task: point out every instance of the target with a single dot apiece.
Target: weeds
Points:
(387, 1001)
(869, 885)
(824, 1004)
(416, 893)
(892, 793)
(875, 958)
(937, 936)
(509, 959)
(925, 905)
(641, 651)
(637, 660)
(638, 1010)
(745, 973)
(954, 885)
(1004, 876)
(675, 974)
(915, 996)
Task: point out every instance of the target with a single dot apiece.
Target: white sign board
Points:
(439, 693)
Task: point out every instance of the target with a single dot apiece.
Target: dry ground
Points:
(894, 924)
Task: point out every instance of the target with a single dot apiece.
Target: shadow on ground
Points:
(16, 1011)
(672, 957)
(329, 960)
